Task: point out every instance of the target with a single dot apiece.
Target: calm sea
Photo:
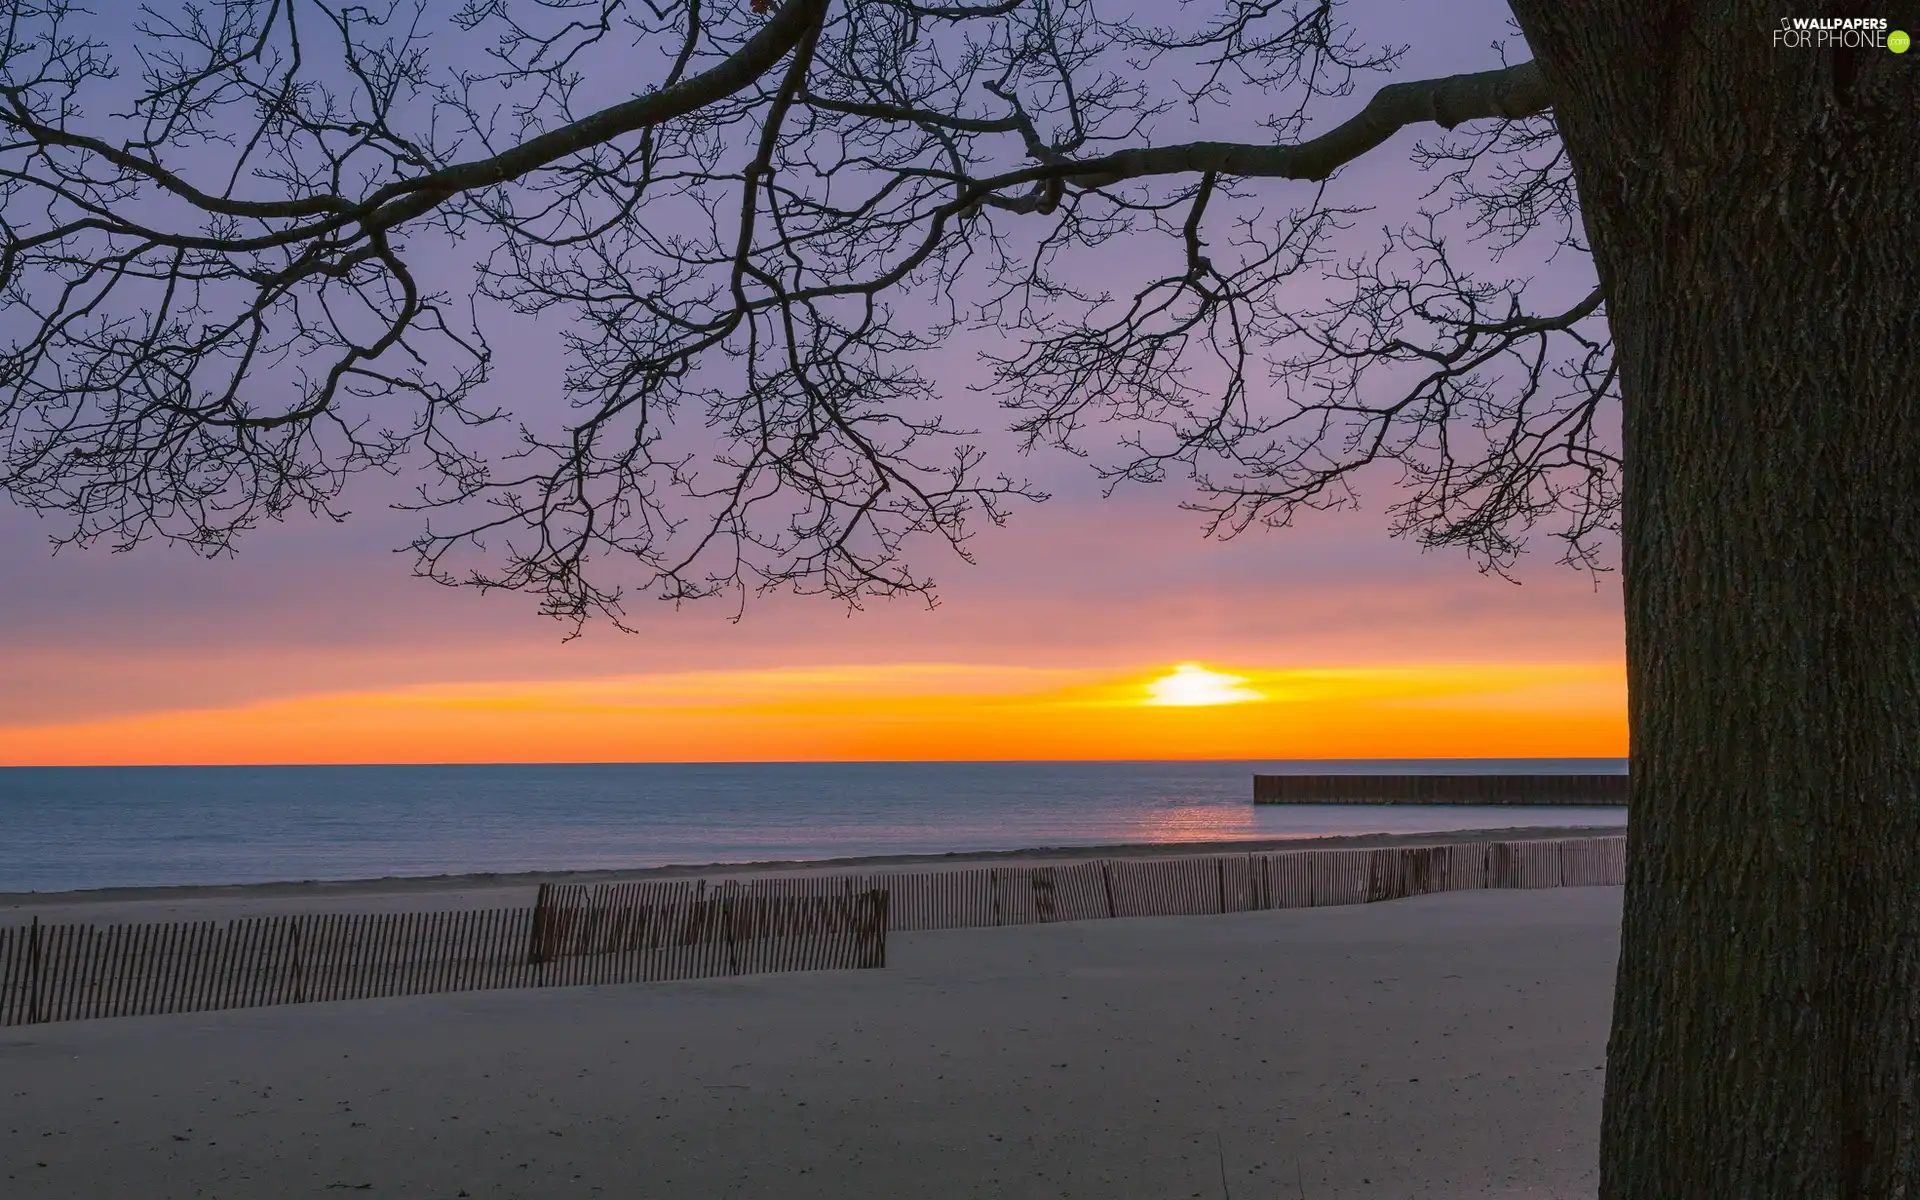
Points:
(90, 827)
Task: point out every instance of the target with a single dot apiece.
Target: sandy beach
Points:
(1445, 1046)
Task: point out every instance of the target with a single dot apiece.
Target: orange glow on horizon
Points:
(898, 713)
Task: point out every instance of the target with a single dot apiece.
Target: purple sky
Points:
(309, 607)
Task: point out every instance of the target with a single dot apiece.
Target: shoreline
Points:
(490, 882)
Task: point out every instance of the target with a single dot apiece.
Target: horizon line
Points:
(796, 762)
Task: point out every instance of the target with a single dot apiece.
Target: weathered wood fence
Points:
(1440, 789)
(976, 897)
(71, 972)
(688, 929)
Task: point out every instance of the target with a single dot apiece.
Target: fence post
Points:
(993, 883)
(1042, 878)
(33, 973)
(536, 942)
(726, 916)
(1221, 864)
(299, 970)
(1106, 877)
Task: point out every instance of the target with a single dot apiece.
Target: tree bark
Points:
(1755, 218)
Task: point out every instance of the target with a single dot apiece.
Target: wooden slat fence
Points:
(724, 930)
(73, 972)
(685, 929)
(978, 897)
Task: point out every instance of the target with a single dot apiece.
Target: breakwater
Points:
(1441, 789)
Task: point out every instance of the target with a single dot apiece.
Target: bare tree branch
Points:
(227, 288)
(1508, 93)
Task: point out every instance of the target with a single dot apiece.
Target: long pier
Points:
(1586, 790)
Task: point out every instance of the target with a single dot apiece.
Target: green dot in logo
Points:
(1898, 41)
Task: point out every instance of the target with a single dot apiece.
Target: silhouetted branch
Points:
(224, 301)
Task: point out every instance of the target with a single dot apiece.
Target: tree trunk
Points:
(1755, 217)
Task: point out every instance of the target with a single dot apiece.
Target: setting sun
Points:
(1190, 684)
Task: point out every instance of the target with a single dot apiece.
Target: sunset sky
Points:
(1066, 641)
